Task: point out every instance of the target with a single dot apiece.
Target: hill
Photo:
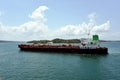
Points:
(57, 40)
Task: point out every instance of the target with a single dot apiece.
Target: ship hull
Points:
(67, 50)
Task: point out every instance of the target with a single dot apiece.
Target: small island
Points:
(57, 40)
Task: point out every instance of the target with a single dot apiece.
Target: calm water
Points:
(17, 65)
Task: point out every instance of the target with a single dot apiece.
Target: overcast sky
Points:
(49, 19)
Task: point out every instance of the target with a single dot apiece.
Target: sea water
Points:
(20, 65)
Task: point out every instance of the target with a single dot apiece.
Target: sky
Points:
(25, 20)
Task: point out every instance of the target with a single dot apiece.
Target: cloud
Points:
(39, 13)
(36, 28)
(83, 29)
(92, 17)
(27, 31)
(101, 28)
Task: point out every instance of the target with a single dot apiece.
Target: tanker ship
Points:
(89, 46)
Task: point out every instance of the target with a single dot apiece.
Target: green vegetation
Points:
(57, 40)
(39, 41)
(65, 40)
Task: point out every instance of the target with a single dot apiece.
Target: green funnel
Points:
(95, 38)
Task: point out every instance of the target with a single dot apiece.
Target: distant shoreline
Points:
(5, 41)
(57, 41)
(109, 40)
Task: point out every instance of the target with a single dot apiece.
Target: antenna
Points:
(89, 32)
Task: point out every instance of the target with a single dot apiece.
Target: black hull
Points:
(73, 51)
